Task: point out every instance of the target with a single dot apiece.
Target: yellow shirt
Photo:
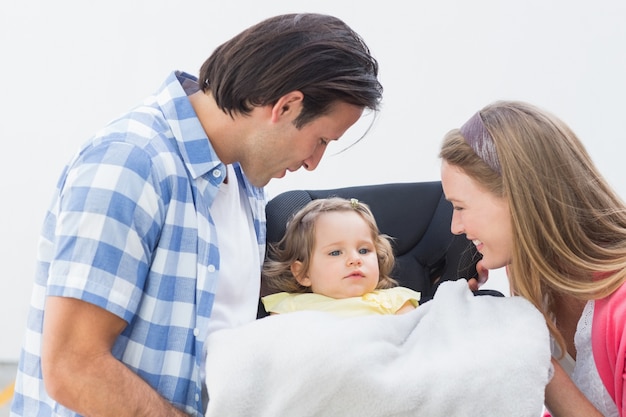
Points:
(387, 301)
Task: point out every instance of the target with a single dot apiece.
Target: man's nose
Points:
(313, 161)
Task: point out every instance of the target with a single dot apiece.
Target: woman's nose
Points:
(456, 226)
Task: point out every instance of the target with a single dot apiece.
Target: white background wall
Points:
(70, 66)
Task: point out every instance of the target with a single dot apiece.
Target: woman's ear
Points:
(297, 269)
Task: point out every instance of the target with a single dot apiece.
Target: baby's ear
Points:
(297, 269)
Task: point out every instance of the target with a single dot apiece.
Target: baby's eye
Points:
(364, 251)
(335, 253)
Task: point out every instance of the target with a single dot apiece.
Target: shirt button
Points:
(197, 397)
(217, 173)
(211, 268)
(196, 332)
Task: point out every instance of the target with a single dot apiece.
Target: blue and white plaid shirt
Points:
(129, 231)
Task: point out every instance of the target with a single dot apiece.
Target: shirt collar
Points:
(193, 143)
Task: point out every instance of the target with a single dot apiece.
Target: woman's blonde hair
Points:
(299, 239)
(569, 226)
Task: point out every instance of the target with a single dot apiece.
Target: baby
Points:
(333, 258)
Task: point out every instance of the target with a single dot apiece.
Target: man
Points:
(157, 232)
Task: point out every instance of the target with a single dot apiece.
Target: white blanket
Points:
(457, 355)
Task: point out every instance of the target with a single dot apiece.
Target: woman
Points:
(526, 192)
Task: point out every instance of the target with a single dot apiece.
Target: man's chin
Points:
(260, 184)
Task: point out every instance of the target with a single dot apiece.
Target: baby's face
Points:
(344, 262)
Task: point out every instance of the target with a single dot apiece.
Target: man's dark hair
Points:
(316, 54)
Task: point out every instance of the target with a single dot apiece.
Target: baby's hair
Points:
(299, 239)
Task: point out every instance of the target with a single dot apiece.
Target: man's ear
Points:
(297, 269)
(290, 103)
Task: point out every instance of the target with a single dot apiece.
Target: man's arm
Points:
(79, 370)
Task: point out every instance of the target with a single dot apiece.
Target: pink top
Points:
(609, 344)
